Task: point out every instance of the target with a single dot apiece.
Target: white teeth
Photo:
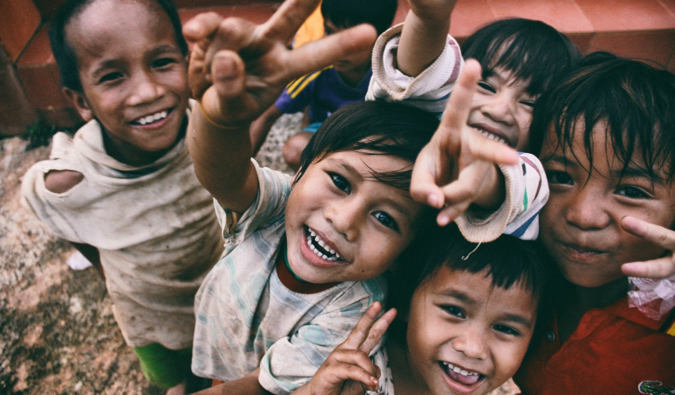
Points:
(152, 118)
(459, 370)
(491, 136)
(314, 238)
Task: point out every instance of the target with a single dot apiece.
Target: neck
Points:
(291, 280)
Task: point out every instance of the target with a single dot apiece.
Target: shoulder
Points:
(61, 181)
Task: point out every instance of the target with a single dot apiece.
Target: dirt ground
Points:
(57, 331)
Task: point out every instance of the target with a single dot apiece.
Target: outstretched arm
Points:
(348, 370)
(458, 167)
(237, 70)
(424, 34)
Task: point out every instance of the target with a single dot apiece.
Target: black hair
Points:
(532, 50)
(508, 261)
(376, 127)
(65, 56)
(634, 99)
(347, 13)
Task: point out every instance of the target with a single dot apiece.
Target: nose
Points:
(346, 215)
(585, 210)
(145, 89)
(501, 108)
(472, 343)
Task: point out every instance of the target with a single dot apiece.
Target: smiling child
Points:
(123, 189)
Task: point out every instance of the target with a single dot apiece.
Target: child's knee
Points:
(292, 149)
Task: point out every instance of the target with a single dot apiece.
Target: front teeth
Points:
(153, 118)
(459, 370)
(491, 136)
(313, 238)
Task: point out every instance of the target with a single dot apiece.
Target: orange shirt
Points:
(614, 350)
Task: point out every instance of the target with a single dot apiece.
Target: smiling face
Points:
(580, 224)
(342, 224)
(133, 74)
(502, 108)
(466, 336)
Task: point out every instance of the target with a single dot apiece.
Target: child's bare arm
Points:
(237, 70)
(458, 167)
(424, 34)
(348, 370)
(661, 268)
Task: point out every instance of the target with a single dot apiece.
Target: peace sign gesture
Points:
(348, 370)
(237, 68)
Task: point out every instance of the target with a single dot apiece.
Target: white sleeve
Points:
(428, 91)
(526, 194)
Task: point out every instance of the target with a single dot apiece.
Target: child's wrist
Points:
(217, 124)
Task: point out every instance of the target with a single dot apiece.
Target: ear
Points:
(80, 102)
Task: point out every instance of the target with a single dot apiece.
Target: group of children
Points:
(390, 206)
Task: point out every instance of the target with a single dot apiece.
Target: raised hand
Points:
(237, 68)
(458, 166)
(348, 370)
(660, 268)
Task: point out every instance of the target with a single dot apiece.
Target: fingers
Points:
(354, 365)
(360, 332)
(483, 148)
(660, 268)
(457, 110)
(202, 27)
(377, 331)
(426, 176)
(354, 42)
(288, 19)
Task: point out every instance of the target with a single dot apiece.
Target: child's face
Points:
(502, 107)
(355, 63)
(133, 75)
(344, 225)
(465, 335)
(580, 224)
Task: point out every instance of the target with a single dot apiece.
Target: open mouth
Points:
(320, 248)
(489, 135)
(151, 119)
(461, 376)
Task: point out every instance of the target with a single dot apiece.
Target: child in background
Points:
(124, 189)
(466, 314)
(419, 63)
(607, 146)
(323, 92)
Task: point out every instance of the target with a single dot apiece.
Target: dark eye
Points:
(506, 329)
(559, 177)
(163, 62)
(528, 103)
(340, 182)
(110, 77)
(386, 220)
(486, 86)
(454, 311)
(632, 192)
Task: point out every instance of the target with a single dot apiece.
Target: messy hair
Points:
(377, 128)
(532, 50)
(634, 100)
(64, 54)
(508, 261)
(348, 13)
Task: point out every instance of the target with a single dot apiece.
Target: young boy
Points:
(323, 92)
(608, 155)
(123, 189)
(466, 314)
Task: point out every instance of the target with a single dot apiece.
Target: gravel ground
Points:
(57, 331)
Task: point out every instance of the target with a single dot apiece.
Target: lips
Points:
(491, 133)
(460, 379)
(152, 119)
(319, 251)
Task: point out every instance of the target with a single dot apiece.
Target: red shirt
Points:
(614, 350)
